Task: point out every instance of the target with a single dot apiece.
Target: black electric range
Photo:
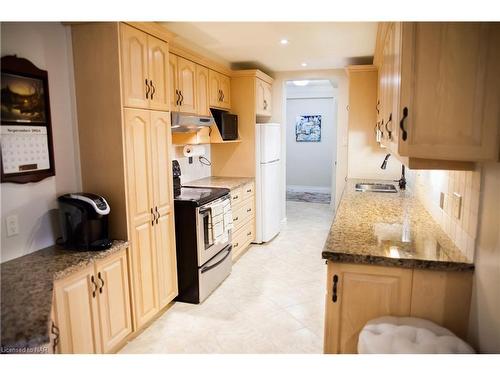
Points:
(197, 196)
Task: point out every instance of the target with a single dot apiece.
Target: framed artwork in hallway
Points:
(308, 128)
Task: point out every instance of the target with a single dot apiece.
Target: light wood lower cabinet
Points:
(358, 293)
(114, 300)
(243, 208)
(92, 307)
(77, 313)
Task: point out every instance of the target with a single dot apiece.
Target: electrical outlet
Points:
(457, 205)
(12, 225)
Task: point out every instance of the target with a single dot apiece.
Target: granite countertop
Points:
(27, 286)
(220, 182)
(390, 229)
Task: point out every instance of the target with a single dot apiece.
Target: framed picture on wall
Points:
(308, 128)
(27, 153)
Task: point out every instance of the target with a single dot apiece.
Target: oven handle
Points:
(208, 268)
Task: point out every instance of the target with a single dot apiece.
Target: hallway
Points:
(273, 301)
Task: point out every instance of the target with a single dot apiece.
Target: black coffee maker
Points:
(84, 221)
(176, 173)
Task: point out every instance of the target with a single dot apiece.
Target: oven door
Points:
(214, 272)
(207, 245)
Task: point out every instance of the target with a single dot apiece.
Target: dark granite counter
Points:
(390, 229)
(27, 286)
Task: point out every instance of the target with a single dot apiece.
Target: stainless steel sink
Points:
(376, 188)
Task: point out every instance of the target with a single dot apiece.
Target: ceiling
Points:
(321, 45)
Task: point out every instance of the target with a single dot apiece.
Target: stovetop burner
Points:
(198, 195)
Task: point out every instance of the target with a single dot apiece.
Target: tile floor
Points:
(273, 301)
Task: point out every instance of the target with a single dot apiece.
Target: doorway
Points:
(311, 131)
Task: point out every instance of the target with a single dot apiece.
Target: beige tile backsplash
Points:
(463, 230)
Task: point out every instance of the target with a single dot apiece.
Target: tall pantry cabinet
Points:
(123, 102)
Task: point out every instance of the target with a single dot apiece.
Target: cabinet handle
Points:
(236, 245)
(380, 130)
(265, 104)
(377, 108)
(389, 132)
(55, 331)
(182, 97)
(249, 190)
(402, 124)
(249, 209)
(157, 214)
(236, 218)
(235, 197)
(154, 216)
(249, 233)
(92, 280)
(177, 96)
(334, 294)
(147, 88)
(222, 95)
(152, 88)
(102, 282)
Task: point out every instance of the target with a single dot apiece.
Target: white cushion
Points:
(390, 334)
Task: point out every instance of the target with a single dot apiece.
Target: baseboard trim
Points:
(308, 189)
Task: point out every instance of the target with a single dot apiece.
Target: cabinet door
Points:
(163, 199)
(187, 85)
(225, 87)
(450, 87)
(259, 97)
(214, 87)
(202, 92)
(77, 313)
(172, 82)
(114, 300)
(140, 212)
(363, 292)
(268, 96)
(134, 56)
(158, 74)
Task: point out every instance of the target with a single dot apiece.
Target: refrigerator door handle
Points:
(272, 161)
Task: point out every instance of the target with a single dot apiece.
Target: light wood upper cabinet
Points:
(202, 91)
(183, 86)
(357, 294)
(450, 87)
(144, 70)
(158, 58)
(263, 98)
(134, 57)
(77, 313)
(114, 300)
(441, 82)
(220, 90)
(173, 83)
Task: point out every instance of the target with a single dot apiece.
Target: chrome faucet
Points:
(384, 163)
(402, 180)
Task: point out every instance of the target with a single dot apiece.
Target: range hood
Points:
(184, 123)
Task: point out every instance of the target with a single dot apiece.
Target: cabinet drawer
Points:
(243, 236)
(236, 197)
(242, 213)
(248, 190)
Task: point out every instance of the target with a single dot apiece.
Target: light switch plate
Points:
(457, 205)
(12, 222)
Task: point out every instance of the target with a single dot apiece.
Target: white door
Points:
(270, 212)
(270, 142)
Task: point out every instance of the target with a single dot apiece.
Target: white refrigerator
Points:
(268, 181)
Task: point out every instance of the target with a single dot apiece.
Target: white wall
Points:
(48, 46)
(194, 171)
(338, 79)
(310, 164)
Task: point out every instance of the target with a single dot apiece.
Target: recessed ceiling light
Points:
(304, 82)
(284, 41)
(304, 64)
